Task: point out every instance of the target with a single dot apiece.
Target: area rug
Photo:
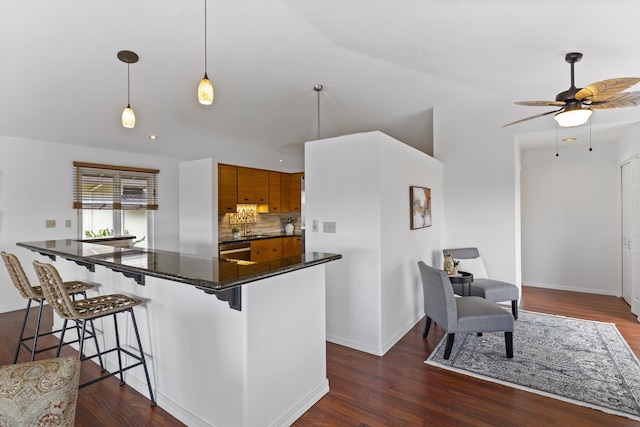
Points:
(579, 361)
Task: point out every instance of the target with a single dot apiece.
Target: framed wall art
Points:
(420, 199)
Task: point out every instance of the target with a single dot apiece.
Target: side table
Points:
(464, 279)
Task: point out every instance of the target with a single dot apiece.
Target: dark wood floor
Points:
(397, 389)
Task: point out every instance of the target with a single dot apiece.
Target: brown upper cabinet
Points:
(275, 204)
(253, 186)
(296, 192)
(285, 192)
(227, 188)
(272, 191)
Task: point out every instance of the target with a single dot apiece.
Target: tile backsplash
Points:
(265, 224)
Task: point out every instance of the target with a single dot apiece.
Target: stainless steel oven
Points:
(235, 250)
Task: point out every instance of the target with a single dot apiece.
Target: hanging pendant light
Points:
(128, 116)
(205, 88)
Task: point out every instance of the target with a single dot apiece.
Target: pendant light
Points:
(205, 88)
(128, 116)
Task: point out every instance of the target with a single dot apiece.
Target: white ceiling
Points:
(384, 64)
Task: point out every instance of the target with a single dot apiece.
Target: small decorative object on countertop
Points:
(235, 232)
(288, 224)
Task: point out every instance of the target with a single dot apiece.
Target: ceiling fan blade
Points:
(541, 103)
(620, 100)
(532, 117)
(604, 90)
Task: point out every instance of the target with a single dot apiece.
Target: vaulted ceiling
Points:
(384, 64)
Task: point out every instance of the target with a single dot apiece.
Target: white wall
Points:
(629, 144)
(361, 182)
(199, 207)
(36, 184)
(571, 219)
(480, 186)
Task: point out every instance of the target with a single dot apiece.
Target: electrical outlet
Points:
(328, 227)
(50, 223)
(67, 223)
(314, 227)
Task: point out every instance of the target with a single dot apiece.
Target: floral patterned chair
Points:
(40, 393)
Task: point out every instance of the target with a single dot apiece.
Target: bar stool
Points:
(34, 293)
(88, 309)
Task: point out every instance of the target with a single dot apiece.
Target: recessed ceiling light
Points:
(568, 139)
(281, 161)
(153, 137)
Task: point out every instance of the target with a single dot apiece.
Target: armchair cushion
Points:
(476, 314)
(494, 290)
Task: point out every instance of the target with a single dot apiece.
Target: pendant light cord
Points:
(318, 89)
(205, 37)
(128, 87)
(318, 114)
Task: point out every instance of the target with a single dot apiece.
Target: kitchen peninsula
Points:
(256, 358)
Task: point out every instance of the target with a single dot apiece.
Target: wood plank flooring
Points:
(397, 389)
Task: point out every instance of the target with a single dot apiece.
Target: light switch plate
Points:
(67, 223)
(50, 223)
(328, 227)
(314, 227)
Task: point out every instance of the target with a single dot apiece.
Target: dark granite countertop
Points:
(257, 236)
(208, 274)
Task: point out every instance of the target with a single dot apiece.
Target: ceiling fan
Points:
(577, 105)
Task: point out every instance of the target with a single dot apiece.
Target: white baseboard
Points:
(303, 405)
(6, 308)
(354, 345)
(401, 334)
(376, 351)
(574, 289)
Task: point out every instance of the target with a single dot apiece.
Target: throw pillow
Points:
(474, 266)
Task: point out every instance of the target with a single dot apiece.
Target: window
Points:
(115, 201)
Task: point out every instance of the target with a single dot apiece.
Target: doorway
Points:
(630, 199)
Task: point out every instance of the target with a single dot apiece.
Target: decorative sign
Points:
(244, 215)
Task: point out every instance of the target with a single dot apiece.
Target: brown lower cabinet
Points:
(266, 249)
(291, 246)
(275, 248)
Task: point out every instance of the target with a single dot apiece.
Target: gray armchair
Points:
(461, 315)
(493, 290)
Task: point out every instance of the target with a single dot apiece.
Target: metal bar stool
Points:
(34, 293)
(89, 309)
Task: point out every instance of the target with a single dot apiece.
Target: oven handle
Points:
(233, 251)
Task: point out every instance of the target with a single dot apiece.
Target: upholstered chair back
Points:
(439, 300)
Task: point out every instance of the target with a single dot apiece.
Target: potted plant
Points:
(235, 232)
(288, 222)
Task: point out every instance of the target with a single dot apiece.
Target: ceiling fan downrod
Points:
(572, 58)
(568, 95)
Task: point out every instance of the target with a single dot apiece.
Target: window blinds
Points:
(97, 186)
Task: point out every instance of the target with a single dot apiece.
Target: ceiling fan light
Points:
(128, 117)
(575, 117)
(205, 91)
